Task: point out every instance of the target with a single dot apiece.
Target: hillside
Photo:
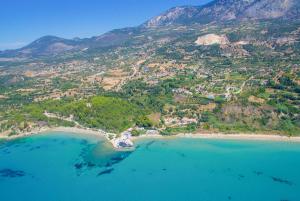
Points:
(229, 66)
(218, 11)
(224, 10)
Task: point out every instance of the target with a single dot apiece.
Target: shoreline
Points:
(241, 136)
(74, 130)
(221, 136)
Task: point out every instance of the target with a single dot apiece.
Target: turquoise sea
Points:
(67, 167)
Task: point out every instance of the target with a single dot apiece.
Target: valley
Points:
(232, 76)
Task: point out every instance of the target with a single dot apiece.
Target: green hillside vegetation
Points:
(250, 85)
(99, 112)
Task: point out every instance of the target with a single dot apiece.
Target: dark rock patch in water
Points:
(108, 171)
(258, 173)
(241, 176)
(79, 166)
(84, 165)
(86, 149)
(34, 148)
(283, 181)
(11, 173)
(83, 142)
(13, 143)
(149, 144)
(164, 169)
(229, 198)
(90, 165)
(181, 154)
(6, 151)
(98, 156)
(227, 170)
(117, 158)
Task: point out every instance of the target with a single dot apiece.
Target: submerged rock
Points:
(283, 181)
(258, 173)
(108, 171)
(149, 144)
(11, 173)
(78, 165)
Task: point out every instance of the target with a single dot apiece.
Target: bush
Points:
(143, 121)
(136, 133)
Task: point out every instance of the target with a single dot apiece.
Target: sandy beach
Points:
(80, 131)
(222, 136)
(241, 137)
(83, 131)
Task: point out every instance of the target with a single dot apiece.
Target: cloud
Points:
(12, 45)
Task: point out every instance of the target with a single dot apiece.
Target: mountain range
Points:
(218, 11)
(224, 10)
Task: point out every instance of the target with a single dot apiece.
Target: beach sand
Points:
(253, 136)
(82, 131)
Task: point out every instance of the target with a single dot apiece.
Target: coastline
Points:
(241, 136)
(81, 131)
(221, 136)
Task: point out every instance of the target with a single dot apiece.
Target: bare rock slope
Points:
(223, 10)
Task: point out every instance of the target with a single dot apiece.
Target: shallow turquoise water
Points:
(64, 167)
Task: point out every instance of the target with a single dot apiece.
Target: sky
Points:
(23, 21)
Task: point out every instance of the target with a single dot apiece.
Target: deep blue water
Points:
(65, 167)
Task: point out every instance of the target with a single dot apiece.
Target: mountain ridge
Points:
(223, 10)
(219, 11)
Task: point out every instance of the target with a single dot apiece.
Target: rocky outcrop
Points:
(212, 39)
(174, 15)
(224, 10)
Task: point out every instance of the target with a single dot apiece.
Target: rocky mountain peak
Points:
(222, 10)
(173, 15)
